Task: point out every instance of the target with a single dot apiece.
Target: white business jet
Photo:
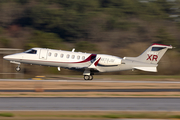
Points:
(90, 63)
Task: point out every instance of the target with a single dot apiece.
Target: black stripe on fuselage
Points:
(100, 65)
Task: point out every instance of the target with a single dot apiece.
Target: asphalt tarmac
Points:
(97, 90)
(95, 80)
(94, 90)
(89, 104)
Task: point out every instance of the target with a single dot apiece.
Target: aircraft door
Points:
(43, 54)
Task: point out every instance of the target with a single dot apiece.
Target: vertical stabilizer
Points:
(152, 55)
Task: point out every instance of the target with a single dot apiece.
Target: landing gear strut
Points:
(18, 68)
(88, 77)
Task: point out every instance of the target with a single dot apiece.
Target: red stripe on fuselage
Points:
(91, 57)
(96, 63)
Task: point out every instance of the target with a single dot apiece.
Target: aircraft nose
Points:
(9, 57)
(13, 57)
(6, 57)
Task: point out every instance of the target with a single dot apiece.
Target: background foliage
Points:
(116, 27)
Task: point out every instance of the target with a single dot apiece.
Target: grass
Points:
(175, 116)
(22, 115)
(6, 115)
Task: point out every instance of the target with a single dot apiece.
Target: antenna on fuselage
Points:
(73, 49)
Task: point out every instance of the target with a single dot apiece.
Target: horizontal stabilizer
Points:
(149, 69)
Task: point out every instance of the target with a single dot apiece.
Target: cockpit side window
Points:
(31, 51)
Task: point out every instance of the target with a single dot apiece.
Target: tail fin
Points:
(152, 55)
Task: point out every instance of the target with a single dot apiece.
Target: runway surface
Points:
(95, 80)
(94, 90)
(92, 104)
(98, 90)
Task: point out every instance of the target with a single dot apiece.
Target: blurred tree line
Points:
(100, 26)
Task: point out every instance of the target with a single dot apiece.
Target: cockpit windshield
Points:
(31, 51)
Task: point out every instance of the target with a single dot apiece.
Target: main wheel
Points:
(18, 69)
(90, 77)
(86, 77)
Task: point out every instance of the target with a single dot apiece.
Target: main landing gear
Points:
(88, 77)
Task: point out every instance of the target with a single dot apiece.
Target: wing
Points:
(88, 70)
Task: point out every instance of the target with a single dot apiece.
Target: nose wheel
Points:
(88, 77)
(18, 68)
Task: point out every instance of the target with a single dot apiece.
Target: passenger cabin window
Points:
(49, 54)
(78, 57)
(67, 56)
(62, 55)
(83, 57)
(31, 51)
(73, 56)
(55, 55)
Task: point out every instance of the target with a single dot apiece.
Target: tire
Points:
(90, 77)
(18, 69)
(86, 77)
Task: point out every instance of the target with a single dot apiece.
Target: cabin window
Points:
(78, 57)
(83, 57)
(67, 56)
(73, 56)
(62, 55)
(49, 53)
(55, 55)
(31, 51)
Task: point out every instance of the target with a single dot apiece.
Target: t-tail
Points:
(149, 59)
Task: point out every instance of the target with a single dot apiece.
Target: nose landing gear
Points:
(88, 77)
(18, 68)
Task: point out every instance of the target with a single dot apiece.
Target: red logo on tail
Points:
(152, 57)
